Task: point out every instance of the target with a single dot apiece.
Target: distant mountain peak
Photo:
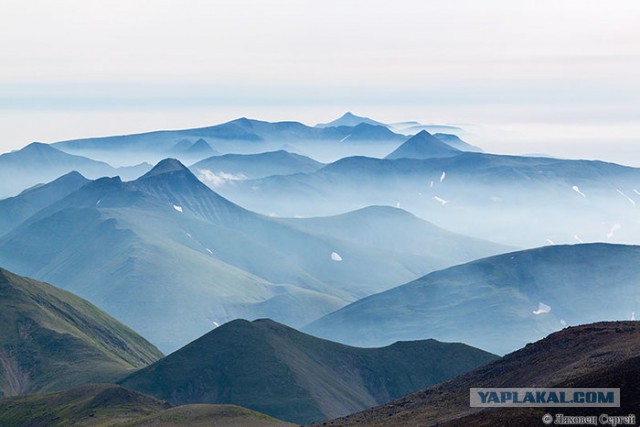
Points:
(200, 146)
(351, 120)
(166, 166)
(423, 145)
(38, 147)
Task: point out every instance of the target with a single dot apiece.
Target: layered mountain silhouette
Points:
(243, 166)
(500, 303)
(38, 163)
(19, 208)
(172, 258)
(597, 355)
(243, 135)
(271, 368)
(108, 404)
(50, 340)
(477, 194)
(423, 145)
(193, 151)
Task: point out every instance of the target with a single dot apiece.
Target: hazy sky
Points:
(556, 76)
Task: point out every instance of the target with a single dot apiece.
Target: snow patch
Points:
(633, 202)
(542, 309)
(213, 179)
(577, 190)
(335, 257)
(443, 176)
(178, 208)
(440, 200)
(614, 228)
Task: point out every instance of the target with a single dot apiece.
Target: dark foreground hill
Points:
(274, 369)
(112, 405)
(51, 339)
(498, 303)
(602, 354)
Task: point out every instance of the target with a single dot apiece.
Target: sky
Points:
(560, 77)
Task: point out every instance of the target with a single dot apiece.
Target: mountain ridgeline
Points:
(271, 368)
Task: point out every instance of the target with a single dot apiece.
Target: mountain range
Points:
(499, 303)
(240, 136)
(172, 258)
(476, 194)
(38, 163)
(51, 340)
(596, 355)
(271, 368)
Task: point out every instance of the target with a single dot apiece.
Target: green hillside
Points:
(51, 339)
(274, 369)
(110, 405)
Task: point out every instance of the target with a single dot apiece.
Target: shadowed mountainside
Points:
(277, 370)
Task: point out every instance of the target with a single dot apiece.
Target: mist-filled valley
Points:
(404, 240)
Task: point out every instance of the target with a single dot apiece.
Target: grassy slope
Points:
(277, 370)
(111, 405)
(51, 339)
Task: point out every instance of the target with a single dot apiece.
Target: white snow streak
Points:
(440, 200)
(209, 250)
(551, 242)
(442, 177)
(578, 239)
(611, 232)
(633, 202)
(178, 208)
(577, 190)
(345, 138)
(335, 257)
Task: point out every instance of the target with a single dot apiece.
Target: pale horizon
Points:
(557, 78)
